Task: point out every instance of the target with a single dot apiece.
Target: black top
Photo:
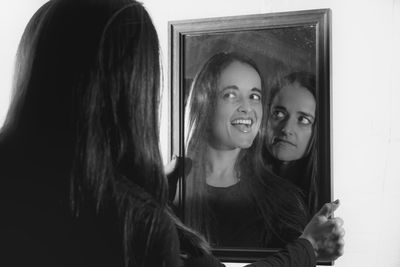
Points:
(235, 220)
(296, 172)
(37, 227)
(299, 253)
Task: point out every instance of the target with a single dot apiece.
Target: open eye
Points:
(304, 120)
(277, 114)
(256, 97)
(229, 95)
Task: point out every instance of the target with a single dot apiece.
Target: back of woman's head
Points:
(87, 86)
(75, 50)
(88, 77)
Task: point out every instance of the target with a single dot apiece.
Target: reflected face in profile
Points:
(238, 110)
(290, 122)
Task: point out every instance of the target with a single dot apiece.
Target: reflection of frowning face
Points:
(290, 123)
(238, 110)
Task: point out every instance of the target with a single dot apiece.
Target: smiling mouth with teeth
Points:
(243, 125)
(247, 122)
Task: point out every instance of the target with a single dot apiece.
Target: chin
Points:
(286, 157)
(245, 144)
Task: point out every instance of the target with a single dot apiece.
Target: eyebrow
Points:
(256, 90)
(279, 107)
(234, 87)
(306, 114)
(229, 87)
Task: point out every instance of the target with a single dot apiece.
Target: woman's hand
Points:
(325, 233)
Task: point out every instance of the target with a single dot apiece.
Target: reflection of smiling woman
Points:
(290, 132)
(238, 109)
(230, 196)
(236, 121)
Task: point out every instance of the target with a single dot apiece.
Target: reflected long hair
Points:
(309, 163)
(86, 89)
(277, 200)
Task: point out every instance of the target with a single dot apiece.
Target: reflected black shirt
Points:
(235, 220)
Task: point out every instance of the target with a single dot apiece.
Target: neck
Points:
(222, 171)
(284, 166)
(290, 169)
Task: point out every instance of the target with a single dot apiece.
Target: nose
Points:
(287, 127)
(244, 106)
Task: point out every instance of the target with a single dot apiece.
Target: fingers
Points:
(326, 233)
(331, 243)
(174, 168)
(170, 167)
(335, 204)
(337, 221)
(335, 235)
(338, 230)
(328, 208)
(334, 227)
(331, 250)
(340, 247)
(334, 223)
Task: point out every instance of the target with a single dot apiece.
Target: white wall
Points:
(365, 98)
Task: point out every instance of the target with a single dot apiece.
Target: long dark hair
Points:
(87, 84)
(308, 164)
(276, 200)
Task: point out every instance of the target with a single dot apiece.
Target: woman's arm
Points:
(300, 253)
(297, 254)
(322, 240)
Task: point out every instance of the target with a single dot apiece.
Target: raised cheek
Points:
(224, 110)
(259, 111)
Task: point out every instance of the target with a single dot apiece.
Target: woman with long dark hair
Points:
(81, 176)
(82, 180)
(231, 197)
(290, 138)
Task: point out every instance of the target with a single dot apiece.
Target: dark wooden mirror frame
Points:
(320, 19)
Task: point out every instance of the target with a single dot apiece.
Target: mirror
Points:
(251, 109)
